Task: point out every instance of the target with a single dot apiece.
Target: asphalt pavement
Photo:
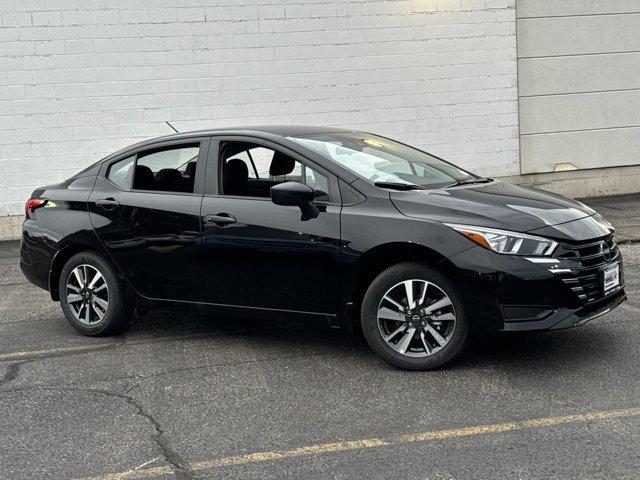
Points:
(194, 396)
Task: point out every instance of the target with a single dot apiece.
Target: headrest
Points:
(190, 171)
(169, 176)
(143, 178)
(235, 173)
(232, 149)
(281, 164)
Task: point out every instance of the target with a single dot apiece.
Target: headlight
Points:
(510, 243)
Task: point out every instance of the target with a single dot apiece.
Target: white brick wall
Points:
(82, 78)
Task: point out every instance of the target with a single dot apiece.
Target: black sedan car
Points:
(310, 222)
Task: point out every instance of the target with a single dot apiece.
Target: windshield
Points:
(382, 160)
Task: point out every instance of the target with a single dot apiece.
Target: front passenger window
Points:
(319, 183)
(246, 158)
(250, 170)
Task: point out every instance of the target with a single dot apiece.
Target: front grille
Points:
(586, 262)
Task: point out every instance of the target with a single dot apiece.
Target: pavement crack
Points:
(179, 465)
(628, 241)
(11, 372)
(138, 377)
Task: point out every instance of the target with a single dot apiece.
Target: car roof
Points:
(267, 132)
(282, 130)
(260, 131)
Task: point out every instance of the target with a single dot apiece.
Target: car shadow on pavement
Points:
(557, 348)
(586, 344)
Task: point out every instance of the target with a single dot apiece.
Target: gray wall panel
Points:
(543, 37)
(542, 8)
(586, 149)
(583, 111)
(584, 73)
(578, 83)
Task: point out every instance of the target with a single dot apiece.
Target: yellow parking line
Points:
(366, 443)
(52, 351)
(9, 356)
(99, 346)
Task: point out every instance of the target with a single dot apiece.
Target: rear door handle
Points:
(107, 203)
(221, 219)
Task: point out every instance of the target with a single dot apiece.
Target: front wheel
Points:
(92, 296)
(413, 317)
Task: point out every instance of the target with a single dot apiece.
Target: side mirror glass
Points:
(298, 195)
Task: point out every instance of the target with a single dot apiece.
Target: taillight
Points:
(32, 205)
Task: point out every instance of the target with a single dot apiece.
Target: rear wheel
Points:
(92, 296)
(413, 317)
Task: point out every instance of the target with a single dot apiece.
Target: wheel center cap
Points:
(415, 319)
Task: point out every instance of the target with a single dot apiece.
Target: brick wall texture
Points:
(82, 78)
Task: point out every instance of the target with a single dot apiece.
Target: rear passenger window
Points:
(121, 172)
(169, 170)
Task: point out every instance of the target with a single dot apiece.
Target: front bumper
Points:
(567, 318)
(511, 293)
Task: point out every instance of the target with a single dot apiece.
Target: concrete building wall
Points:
(82, 78)
(579, 86)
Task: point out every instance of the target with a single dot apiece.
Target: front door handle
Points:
(221, 219)
(107, 203)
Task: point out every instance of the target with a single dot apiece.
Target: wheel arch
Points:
(375, 261)
(59, 261)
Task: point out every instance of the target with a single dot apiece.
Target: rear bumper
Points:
(35, 257)
(32, 275)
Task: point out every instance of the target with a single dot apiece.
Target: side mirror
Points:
(298, 195)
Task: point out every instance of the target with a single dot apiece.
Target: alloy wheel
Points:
(87, 294)
(416, 318)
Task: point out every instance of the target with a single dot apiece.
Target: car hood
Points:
(504, 206)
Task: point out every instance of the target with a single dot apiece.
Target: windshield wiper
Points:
(398, 186)
(470, 181)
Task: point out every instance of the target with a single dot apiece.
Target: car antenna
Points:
(174, 128)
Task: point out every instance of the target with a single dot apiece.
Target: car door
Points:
(145, 209)
(260, 255)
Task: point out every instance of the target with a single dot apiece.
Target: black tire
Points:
(118, 312)
(369, 317)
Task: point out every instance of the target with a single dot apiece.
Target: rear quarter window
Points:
(121, 172)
